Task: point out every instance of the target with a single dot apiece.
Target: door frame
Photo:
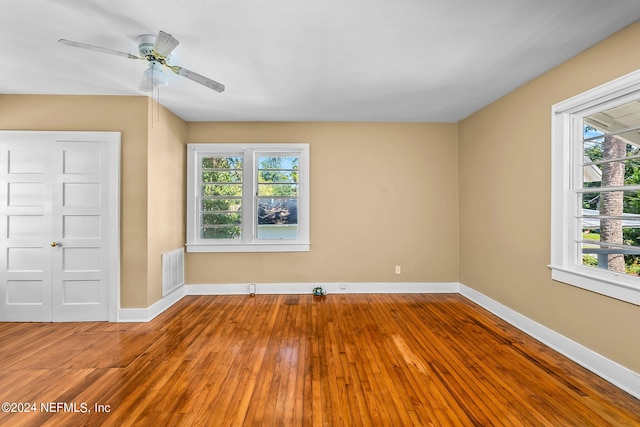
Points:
(113, 141)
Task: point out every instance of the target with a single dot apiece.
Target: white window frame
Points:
(249, 241)
(566, 158)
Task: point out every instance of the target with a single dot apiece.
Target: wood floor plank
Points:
(300, 360)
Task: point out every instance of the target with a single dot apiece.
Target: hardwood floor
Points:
(341, 360)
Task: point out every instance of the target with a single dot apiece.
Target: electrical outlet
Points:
(252, 289)
(398, 269)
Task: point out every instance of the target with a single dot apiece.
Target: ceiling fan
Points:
(156, 50)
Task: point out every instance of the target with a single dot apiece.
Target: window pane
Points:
(591, 132)
(625, 204)
(278, 231)
(609, 136)
(232, 205)
(621, 260)
(598, 172)
(278, 163)
(222, 162)
(218, 176)
(281, 176)
(221, 192)
(278, 177)
(618, 118)
(610, 225)
(220, 218)
(277, 218)
(220, 232)
(278, 190)
(614, 174)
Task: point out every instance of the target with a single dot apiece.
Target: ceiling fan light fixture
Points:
(154, 76)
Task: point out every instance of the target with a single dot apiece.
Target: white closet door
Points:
(59, 235)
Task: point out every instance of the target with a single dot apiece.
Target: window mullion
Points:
(248, 198)
(615, 160)
(574, 226)
(608, 189)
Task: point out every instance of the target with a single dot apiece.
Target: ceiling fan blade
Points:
(165, 43)
(198, 78)
(97, 48)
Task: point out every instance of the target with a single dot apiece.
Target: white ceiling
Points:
(295, 60)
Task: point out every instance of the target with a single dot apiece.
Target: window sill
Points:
(607, 286)
(249, 247)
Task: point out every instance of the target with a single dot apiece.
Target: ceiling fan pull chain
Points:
(158, 104)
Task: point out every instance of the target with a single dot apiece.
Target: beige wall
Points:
(152, 152)
(124, 114)
(166, 189)
(505, 205)
(382, 194)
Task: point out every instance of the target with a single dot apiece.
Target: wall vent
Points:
(172, 271)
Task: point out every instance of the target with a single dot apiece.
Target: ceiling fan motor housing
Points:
(145, 44)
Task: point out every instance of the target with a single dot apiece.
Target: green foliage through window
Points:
(593, 152)
(221, 191)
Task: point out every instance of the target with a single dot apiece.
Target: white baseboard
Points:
(611, 371)
(331, 288)
(149, 313)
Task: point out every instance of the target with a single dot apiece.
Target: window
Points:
(595, 229)
(247, 197)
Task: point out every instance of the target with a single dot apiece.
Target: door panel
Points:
(25, 226)
(24, 291)
(58, 212)
(79, 204)
(81, 227)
